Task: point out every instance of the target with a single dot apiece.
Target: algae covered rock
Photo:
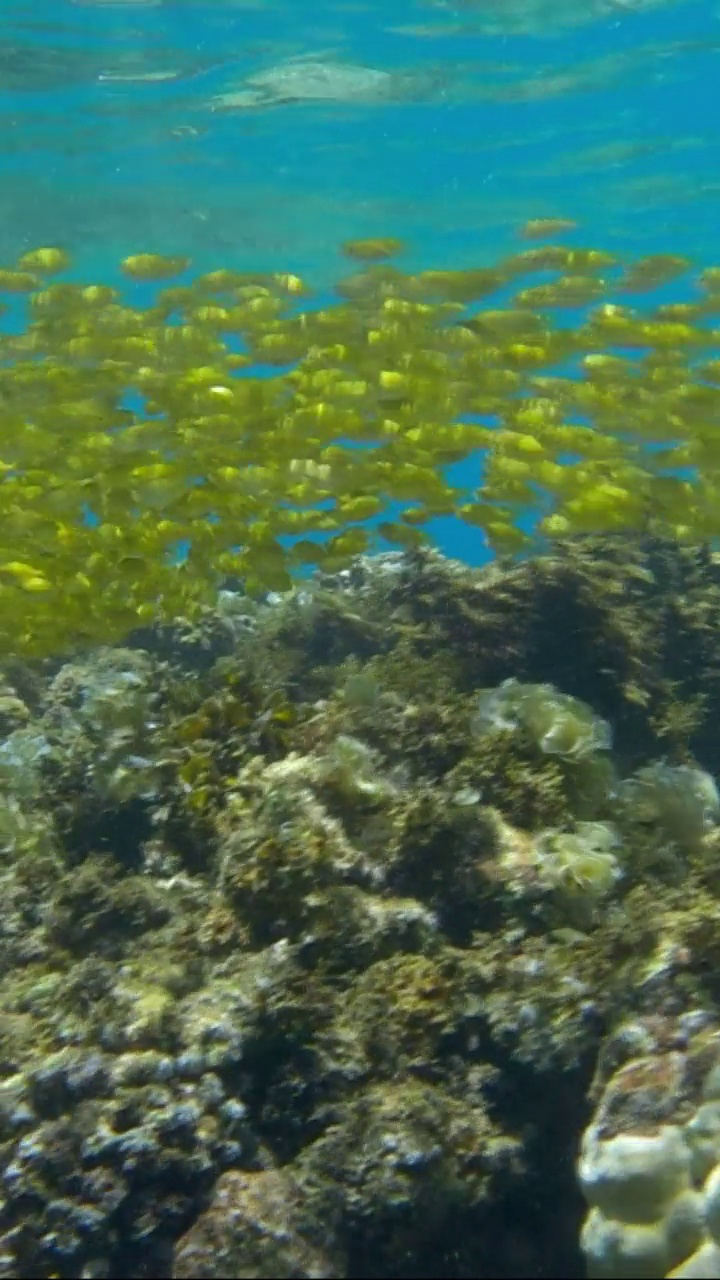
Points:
(319, 984)
(252, 1228)
(399, 1164)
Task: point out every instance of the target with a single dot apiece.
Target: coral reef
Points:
(331, 922)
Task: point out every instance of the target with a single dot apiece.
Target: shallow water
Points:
(319, 907)
(265, 134)
(262, 135)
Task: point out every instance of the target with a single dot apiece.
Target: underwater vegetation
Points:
(356, 930)
(233, 427)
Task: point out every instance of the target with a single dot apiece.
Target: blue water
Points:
(119, 132)
(611, 122)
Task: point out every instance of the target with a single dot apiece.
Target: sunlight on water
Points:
(261, 136)
(264, 134)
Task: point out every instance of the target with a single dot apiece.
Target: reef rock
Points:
(253, 1227)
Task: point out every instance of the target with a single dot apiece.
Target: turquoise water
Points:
(352, 912)
(118, 131)
(262, 135)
